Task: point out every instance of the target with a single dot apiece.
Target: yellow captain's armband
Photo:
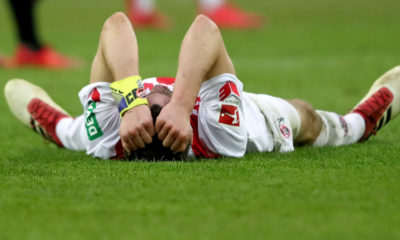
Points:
(128, 93)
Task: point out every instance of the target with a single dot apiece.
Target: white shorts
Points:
(282, 119)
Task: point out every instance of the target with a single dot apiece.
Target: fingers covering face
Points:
(180, 143)
(176, 140)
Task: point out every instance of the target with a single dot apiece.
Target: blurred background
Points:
(301, 47)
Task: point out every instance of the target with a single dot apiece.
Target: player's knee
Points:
(303, 107)
(312, 128)
(310, 121)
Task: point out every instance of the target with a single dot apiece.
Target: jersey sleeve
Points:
(101, 121)
(221, 124)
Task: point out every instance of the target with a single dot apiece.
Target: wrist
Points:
(183, 106)
(134, 109)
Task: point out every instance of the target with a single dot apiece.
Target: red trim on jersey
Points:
(198, 147)
(95, 95)
(119, 151)
(166, 80)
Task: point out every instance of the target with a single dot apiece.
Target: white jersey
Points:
(226, 121)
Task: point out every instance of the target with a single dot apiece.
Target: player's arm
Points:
(202, 56)
(116, 60)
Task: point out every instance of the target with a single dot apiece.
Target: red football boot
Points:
(44, 119)
(230, 16)
(381, 104)
(156, 20)
(34, 108)
(373, 110)
(146, 18)
(45, 57)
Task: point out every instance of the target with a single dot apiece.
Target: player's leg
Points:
(322, 128)
(29, 103)
(24, 12)
(35, 109)
(376, 109)
(31, 51)
(311, 123)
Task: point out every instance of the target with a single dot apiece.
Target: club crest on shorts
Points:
(229, 115)
(285, 131)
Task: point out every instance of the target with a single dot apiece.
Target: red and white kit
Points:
(226, 121)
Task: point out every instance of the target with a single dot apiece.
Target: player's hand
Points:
(137, 128)
(173, 127)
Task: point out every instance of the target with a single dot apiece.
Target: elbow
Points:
(116, 19)
(205, 23)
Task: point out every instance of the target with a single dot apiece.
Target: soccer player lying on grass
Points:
(203, 110)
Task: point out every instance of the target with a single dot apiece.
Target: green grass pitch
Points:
(326, 52)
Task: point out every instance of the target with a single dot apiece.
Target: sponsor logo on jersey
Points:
(95, 95)
(92, 126)
(229, 115)
(227, 90)
(285, 131)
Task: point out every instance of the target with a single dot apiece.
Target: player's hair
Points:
(155, 151)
